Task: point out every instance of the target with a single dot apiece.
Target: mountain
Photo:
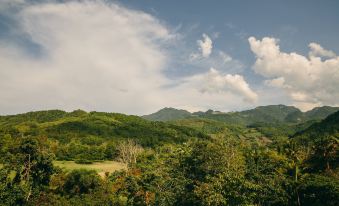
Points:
(317, 113)
(272, 114)
(328, 126)
(320, 112)
(168, 114)
(263, 114)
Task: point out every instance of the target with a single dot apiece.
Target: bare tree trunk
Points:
(298, 198)
(128, 151)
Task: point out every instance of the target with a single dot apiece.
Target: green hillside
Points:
(265, 114)
(320, 112)
(80, 134)
(321, 141)
(328, 126)
(317, 113)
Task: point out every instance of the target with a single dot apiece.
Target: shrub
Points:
(83, 161)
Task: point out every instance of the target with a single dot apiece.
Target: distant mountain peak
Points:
(168, 114)
(171, 109)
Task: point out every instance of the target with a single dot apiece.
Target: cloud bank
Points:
(102, 56)
(224, 92)
(309, 81)
(214, 82)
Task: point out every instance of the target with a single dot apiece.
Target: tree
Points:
(111, 151)
(32, 163)
(81, 181)
(319, 190)
(267, 170)
(325, 153)
(215, 173)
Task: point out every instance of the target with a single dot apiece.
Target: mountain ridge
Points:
(265, 114)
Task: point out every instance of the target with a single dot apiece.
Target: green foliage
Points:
(27, 168)
(319, 190)
(213, 158)
(81, 182)
(198, 173)
(92, 136)
(268, 171)
(324, 154)
(328, 126)
(83, 161)
(321, 140)
(192, 161)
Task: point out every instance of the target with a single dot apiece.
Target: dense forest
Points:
(270, 155)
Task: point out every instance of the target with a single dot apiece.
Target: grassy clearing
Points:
(100, 167)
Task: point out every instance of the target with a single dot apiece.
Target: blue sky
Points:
(296, 23)
(136, 57)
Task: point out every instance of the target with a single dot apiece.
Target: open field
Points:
(100, 167)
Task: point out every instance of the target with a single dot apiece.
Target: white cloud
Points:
(309, 81)
(211, 90)
(95, 55)
(205, 45)
(318, 51)
(214, 82)
(208, 57)
(205, 48)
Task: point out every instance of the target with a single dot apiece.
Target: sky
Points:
(136, 57)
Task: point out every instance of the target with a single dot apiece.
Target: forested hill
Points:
(80, 133)
(263, 114)
(63, 125)
(323, 138)
(327, 127)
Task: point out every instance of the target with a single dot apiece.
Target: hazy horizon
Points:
(157, 110)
